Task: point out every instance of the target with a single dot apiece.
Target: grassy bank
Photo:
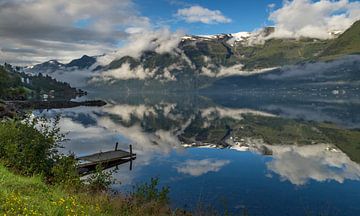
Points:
(21, 195)
(31, 196)
(36, 180)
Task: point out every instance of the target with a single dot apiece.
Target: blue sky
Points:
(246, 15)
(38, 30)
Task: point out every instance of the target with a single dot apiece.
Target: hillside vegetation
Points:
(274, 52)
(20, 86)
(346, 44)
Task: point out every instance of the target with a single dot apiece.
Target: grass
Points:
(31, 196)
(278, 52)
(346, 44)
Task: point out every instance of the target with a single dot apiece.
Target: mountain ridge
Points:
(214, 56)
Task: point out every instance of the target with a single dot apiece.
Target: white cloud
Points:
(316, 19)
(300, 164)
(235, 70)
(125, 72)
(231, 113)
(42, 29)
(271, 6)
(144, 39)
(200, 14)
(201, 167)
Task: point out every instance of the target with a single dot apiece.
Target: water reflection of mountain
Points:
(341, 111)
(157, 126)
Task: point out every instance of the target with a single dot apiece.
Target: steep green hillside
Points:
(10, 84)
(20, 86)
(216, 52)
(278, 52)
(346, 44)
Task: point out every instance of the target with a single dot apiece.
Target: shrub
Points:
(64, 173)
(29, 147)
(100, 180)
(149, 192)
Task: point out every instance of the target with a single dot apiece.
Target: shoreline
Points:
(57, 104)
(13, 108)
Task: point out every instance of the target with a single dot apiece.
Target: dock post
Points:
(131, 157)
(116, 146)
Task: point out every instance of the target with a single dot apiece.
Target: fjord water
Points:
(314, 179)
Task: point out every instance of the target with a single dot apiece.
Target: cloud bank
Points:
(33, 31)
(200, 14)
(145, 39)
(312, 70)
(315, 19)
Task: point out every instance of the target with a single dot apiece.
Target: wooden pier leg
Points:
(131, 157)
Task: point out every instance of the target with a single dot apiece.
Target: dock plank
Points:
(106, 156)
(88, 164)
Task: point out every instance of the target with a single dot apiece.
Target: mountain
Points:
(82, 63)
(52, 66)
(199, 60)
(15, 85)
(345, 44)
(46, 67)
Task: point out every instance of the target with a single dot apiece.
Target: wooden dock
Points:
(87, 164)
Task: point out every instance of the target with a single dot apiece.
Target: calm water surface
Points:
(291, 180)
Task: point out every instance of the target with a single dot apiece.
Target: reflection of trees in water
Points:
(159, 128)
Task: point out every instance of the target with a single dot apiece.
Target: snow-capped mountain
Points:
(205, 57)
(232, 38)
(51, 66)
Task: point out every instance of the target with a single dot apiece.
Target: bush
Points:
(149, 192)
(100, 180)
(64, 173)
(29, 147)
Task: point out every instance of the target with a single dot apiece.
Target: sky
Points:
(34, 31)
(244, 15)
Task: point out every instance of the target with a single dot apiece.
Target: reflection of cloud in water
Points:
(201, 167)
(126, 111)
(299, 164)
(232, 113)
(146, 145)
(79, 131)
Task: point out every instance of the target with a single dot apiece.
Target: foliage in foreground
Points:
(31, 196)
(29, 146)
(36, 180)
